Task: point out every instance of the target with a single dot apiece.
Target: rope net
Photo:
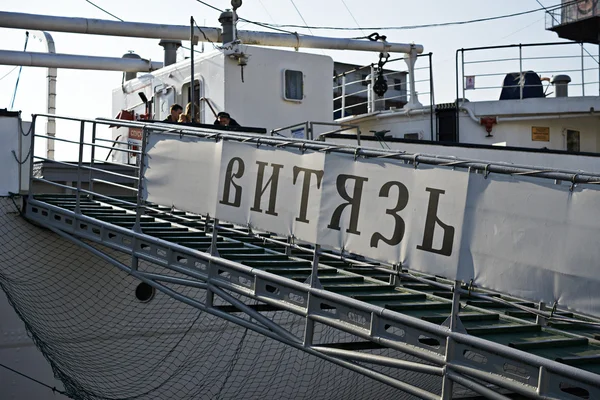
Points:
(106, 337)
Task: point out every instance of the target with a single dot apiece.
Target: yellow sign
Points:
(540, 134)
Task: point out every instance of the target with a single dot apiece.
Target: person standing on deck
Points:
(176, 111)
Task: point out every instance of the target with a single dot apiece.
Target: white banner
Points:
(377, 208)
(525, 236)
(534, 239)
(182, 172)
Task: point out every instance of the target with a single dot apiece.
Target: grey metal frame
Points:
(539, 378)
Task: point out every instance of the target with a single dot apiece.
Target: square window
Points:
(293, 85)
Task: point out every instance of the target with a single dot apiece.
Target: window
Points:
(398, 84)
(411, 136)
(573, 140)
(293, 83)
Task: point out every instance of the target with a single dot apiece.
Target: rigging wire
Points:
(263, 24)
(14, 96)
(554, 18)
(406, 27)
(352, 15)
(103, 10)
(301, 17)
(9, 72)
(54, 389)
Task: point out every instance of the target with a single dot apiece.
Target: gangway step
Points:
(579, 360)
(493, 304)
(255, 307)
(549, 343)
(170, 231)
(275, 263)
(503, 329)
(430, 305)
(300, 271)
(244, 257)
(240, 250)
(383, 297)
(472, 317)
(351, 346)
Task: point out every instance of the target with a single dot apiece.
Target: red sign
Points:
(135, 133)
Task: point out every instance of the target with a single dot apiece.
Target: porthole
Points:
(144, 292)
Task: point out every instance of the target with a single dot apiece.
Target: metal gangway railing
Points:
(480, 71)
(447, 351)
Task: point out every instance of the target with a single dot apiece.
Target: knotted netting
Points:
(104, 340)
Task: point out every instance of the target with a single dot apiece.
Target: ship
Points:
(344, 242)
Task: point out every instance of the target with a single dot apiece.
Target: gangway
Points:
(491, 343)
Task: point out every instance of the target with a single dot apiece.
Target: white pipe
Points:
(51, 99)
(477, 120)
(549, 116)
(101, 27)
(320, 42)
(182, 32)
(31, 59)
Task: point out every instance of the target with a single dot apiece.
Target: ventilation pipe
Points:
(51, 99)
(561, 85)
(170, 47)
(227, 22)
(131, 74)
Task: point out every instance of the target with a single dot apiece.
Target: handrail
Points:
(479, 166)
(521, 63)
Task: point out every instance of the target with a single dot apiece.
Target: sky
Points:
(88, 93)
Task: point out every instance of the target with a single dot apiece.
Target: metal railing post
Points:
(447, 384)
(137, 227)
(314, 276)
(140, 189)
(192, 88)
(521, 77)
(31, 154)
(371, 95)
(343, 112)
(582, 71)
(462, 69)
(79, 164)
(92, 156)
(213, 251)
(431, 95)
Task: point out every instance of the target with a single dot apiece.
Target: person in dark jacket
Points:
(176, 111)
(224, 119)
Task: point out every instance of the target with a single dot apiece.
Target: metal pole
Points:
(521, 77)
(79, 163)
(457, 125)
(431, 95)
(462, 81)
(314, 276)
(343, 112)
(92, 156)
(447, 384)
(192, 69)
(31, 154)
(137, 227)
(582, 71)
(138, 208)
